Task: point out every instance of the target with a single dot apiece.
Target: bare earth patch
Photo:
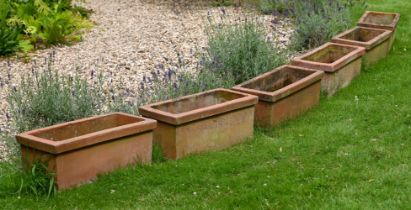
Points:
(133, 37)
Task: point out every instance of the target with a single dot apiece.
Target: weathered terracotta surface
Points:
(78, 151)
(382, 20)
(341, 64)
(284, 93)
(376, 42)
(211, 120)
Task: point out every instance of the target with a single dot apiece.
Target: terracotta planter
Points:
(283, 93)
(376, 42)
(78, 151)
(211, 120)
(381, 20)
(341, 64)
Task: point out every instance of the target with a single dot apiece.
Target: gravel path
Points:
(133, 37)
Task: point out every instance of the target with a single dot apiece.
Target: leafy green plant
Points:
(59, 27)
(240, 51)
(9, 42)
(40, 23)
(8, 37)
(47, 98)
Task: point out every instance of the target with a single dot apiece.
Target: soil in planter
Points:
(363, 34)
(380, 19)
(197, 102)
(89, 126)
(329, 54)
(278, 80)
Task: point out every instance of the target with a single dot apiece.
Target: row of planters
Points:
(77, 151)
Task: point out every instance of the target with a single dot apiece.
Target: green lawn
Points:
(353, 151)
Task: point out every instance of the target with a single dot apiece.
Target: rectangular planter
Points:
(284, 93)
(210, 120)
(341, 64)
(381, 20)
(376, 42)
(76, 152)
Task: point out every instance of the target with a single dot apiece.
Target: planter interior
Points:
(72, 130)
(362, 34)
(197, 102)
(329, 54)
(277, 80)
(380, 18)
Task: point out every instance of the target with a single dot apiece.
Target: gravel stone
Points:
(133, 37)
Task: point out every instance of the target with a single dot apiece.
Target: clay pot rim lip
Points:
(391, 26)
(89, 139)
(283, 92)
(385, 35)
(246, 100)
(357, 52)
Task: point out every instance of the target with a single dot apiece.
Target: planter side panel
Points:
(271, 114)
(85, 164)
(377, 53)
(215, 133)
(333, 81)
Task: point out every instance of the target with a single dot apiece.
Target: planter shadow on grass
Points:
(284, 93)
(375, 41)
(76, 152)
(381, 20)
(341, 64)
(206, 121)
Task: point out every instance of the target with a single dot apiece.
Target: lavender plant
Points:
(317, 21)
(46, 98)
(241, 51)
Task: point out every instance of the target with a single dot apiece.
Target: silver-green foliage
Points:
(47, 98)
(240, 51)
(317, 21)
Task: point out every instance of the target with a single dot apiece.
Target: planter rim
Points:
(391, 26)
(329, 67)
(89, 139)
(246, 100)
(368, 45)
(283, 92)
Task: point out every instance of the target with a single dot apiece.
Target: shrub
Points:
(240, 51)
(8, 37)
(317, 21)
(9, 42)
(39, 23)
(48, 98)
